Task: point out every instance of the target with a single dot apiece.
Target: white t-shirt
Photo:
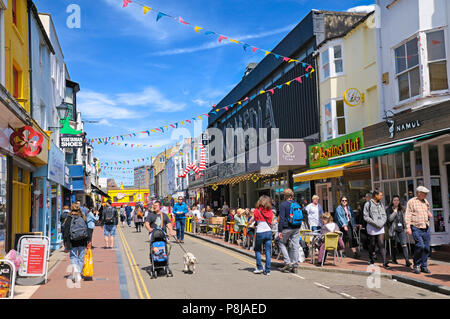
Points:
(263, 227)
(196, 213)
(313, 215)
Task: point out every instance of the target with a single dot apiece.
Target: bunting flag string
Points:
(106, 140)
(220, 38)
(124, 162)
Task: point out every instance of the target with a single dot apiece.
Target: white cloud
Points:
(200, 102)
(150, 97)
(97, 105)
(216, 44)
(362, 9)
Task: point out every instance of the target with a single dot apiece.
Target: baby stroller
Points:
(160, 260)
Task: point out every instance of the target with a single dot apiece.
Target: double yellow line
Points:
(134, 267)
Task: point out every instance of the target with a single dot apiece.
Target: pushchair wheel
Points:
(169, 273)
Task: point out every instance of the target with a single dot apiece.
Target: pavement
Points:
(438, 280)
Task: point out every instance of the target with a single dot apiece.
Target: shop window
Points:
(407, 69)
(434, 159)
(419, 168)
(402, 192)
(407, 158)
(399, 165)
(391, 166)
(437, 62)
(383, 161)
(410, 189)
(376, 169)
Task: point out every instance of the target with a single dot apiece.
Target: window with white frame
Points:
(334, 122)
(407, 69)
(437, 60)
(332, 61)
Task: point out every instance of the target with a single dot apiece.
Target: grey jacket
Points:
(376, 216)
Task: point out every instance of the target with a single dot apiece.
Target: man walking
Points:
(289, 230)
(417, 220)
(110, 219)
(128, 211)
(180, 209)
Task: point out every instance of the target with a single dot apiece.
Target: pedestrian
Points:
(230, 217)
(180, 210)
(157, 219)
(345, 219)
(110, 220)
(375, 216)
(239, 223)
(122, 215)
(417, 220)
(75, 240)
(314, 211)
(328, 227)
(289, 232)
(138, 217)
(397, 229)
(263, 216)
(197, 217)
(62, 218)
(91, 219)
(128, 210)
(225, 209)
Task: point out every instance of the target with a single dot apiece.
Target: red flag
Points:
(298, 79)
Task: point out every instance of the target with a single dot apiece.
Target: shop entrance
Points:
(324, 193)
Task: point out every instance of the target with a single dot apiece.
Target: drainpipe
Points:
(379, 59)
(30, 59)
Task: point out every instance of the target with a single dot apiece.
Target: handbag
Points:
(88, 269)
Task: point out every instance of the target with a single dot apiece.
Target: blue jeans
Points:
(128, 219)
(77, 257)
(266, 240)
(180, 228)
(422, 249)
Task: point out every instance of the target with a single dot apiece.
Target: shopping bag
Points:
(301, 255)
(88, 268)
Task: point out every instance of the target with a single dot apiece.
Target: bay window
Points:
(407, 69)
(332, 60)
(437, 62)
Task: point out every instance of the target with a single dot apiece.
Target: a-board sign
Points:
(35, 251)
(7, 279)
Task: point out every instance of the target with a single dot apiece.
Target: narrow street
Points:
(224, 274)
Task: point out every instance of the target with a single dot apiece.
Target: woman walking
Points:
(75, 240)
(375, 216)
(138, 218)
(263, 216)
(345, 219)
(397, 230)
(91, 219)
(122, 215)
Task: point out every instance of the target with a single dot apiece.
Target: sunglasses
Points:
(344, 200)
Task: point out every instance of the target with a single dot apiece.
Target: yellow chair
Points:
(331, 244)
(306, 239)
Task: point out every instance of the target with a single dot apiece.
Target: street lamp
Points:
(63, 112)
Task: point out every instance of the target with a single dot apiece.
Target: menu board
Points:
(34, 252)
(7, 279)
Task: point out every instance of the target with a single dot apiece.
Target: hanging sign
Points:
(72, 141)
(7, 279)
(352, 97)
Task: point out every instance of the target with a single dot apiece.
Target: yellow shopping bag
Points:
(88, 269)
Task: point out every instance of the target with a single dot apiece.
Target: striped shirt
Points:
(417, 213)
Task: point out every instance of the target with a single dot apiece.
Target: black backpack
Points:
(78, 228)
(109, 215)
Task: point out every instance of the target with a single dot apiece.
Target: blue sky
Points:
(136, 73)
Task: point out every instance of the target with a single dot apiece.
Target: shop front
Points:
(408, 150)
(331, 182)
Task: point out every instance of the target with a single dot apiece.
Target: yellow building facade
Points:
(129, 196)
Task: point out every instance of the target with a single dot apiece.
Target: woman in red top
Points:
(263, 216)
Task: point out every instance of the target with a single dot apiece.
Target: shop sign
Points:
(352, 97)
(395, 128)
(34, 251)
(56, 165)
(291, 153)
(26, 142)
(320, 153)
(72, 141)
(7, 279)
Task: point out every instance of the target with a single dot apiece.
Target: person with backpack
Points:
(110, 220)
(345, 219)
(290, 220)
(397, 229)
(263, 216)
(76, 239)
(128, 210)
(314, 211)
(138, 217)
(375, 216)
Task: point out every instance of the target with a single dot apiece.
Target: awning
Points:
(323, 172)
(375, 151)
(97, 190)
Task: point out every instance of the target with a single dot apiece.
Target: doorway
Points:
(324, 193)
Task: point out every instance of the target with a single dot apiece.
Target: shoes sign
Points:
(71, 141)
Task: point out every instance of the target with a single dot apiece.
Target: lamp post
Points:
(63, 112)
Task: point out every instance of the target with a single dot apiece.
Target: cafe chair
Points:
(331, 244)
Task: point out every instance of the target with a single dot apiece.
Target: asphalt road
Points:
(224, 274)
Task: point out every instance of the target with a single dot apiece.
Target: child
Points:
(328, 227)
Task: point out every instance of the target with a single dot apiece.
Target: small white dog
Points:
(189, 263)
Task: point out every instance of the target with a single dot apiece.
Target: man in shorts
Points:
(110, 219)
